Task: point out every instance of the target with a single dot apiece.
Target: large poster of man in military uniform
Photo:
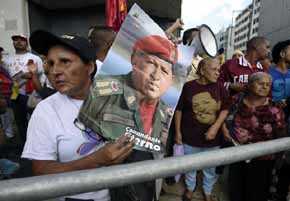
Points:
(138, 86)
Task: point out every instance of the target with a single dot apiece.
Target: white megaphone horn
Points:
(204, 42)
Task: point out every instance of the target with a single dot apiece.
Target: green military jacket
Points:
(112, 107)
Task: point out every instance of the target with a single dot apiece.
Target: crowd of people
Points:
(240, 101)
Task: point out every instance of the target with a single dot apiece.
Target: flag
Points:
(6, 83)
(116, 11)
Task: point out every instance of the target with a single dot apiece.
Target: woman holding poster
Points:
(54, 143)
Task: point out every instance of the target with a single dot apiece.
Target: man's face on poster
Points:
(151, 75)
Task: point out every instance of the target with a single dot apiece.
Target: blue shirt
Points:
(280, 84)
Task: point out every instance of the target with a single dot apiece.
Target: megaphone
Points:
(204, 42)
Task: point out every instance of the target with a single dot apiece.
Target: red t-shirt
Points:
(200, 106)
(147, 114)
(238, 71)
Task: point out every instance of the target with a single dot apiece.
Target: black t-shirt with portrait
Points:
(200, 106)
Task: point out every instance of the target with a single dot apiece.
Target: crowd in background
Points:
(240, 101)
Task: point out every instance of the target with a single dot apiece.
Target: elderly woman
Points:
(257, 119)
(55, 143)
(201, 110)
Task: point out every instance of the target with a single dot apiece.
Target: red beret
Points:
(158, 46)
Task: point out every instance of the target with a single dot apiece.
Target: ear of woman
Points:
(282, 54)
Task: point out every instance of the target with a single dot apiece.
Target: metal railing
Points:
(56, 185)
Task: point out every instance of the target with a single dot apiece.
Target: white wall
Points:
(13, 19)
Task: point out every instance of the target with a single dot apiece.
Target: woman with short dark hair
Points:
(55, 142)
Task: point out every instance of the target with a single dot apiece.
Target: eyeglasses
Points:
(86, 130)
(93, 139)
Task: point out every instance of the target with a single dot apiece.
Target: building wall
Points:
(275, 20)
(255, 18)
(38, 18)
(242, 29)
(25, 16)
(75, 20)
(66, 21)
(220, 37)
(13, 19)
(247, 25)
(225, 40)
(229, 42)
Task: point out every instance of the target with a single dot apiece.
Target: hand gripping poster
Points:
(138, 85)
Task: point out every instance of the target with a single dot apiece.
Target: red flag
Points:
(116, 11)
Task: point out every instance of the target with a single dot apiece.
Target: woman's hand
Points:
(211, 132)
(115, 152)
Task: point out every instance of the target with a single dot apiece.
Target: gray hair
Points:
(204, 62)
(258, 75)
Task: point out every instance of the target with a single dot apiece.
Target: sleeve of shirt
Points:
(181, 100)
(41, 143)
(41, 74)
(224, 77)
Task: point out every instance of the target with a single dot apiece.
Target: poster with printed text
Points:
(137, 88)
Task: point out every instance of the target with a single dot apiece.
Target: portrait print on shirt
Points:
(205, 107)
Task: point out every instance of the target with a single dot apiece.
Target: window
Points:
(255, 30)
